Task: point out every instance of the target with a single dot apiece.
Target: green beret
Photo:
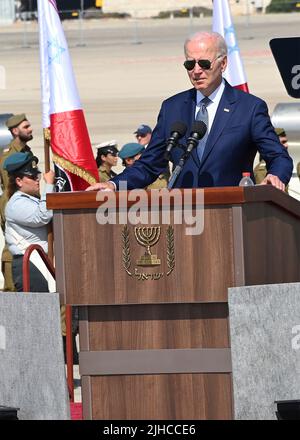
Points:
(21, 164)
(15, 120)
(130, 150)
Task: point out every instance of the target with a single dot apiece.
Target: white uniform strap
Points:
(35, 258)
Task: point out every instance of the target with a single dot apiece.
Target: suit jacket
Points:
(241, 127)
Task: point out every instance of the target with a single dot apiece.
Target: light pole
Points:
(81, 43)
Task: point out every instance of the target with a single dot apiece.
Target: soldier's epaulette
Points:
(24, 195)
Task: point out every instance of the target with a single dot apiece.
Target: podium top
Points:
(212, 196)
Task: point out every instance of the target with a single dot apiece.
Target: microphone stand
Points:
(177, 170)
(198, 131)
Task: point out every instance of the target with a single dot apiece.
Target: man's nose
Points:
(197, 68)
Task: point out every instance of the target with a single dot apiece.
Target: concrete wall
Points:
(32, 368)
(265, 348)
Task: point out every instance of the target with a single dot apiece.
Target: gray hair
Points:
(219, 41)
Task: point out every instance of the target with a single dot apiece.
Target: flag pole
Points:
(48, 14)
(46, 132)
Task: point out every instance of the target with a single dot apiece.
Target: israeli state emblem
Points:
(147, 237)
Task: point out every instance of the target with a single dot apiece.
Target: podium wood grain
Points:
(160, 349)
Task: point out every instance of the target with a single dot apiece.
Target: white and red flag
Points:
(62, 112)
(222, 24)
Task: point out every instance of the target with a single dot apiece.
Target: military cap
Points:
(22, 164)
(109, 147)
(15, 120)
(280, 131)
(130, 150)
(142, 130)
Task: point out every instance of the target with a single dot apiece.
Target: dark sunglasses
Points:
(204, 64)
(141, 135)
(33, 176)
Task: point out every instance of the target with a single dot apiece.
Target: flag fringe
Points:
(75, 169)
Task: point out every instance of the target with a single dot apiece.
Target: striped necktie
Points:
(202, 115)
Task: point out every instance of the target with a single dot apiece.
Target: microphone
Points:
(178, 130)
(199, 129)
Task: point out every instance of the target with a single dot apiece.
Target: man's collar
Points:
(17, 144)
(215, 94)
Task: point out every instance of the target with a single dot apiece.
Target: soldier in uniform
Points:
(107, 157)
(131, 152)
(260, 171)
(143, 135)
(21, 131)
(27, 216)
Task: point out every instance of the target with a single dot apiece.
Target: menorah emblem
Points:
(147, 237)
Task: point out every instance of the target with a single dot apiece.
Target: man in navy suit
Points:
(238, 125)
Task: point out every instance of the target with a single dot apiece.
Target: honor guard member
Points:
(143, 135)
(21, 131)
(131, 152)
(260, 171)
(107, 157)
(27, 216)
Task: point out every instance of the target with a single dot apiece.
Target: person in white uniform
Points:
(27, 216)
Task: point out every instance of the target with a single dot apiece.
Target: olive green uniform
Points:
(260, 172)
(104, 175)
(160, 182)
(298, 169)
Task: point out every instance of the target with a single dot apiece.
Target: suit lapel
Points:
(188, 117)
(221, 119)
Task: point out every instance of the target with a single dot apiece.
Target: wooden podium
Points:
(154, 340)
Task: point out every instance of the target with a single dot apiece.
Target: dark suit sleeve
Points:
(151, 164)
(277, 159)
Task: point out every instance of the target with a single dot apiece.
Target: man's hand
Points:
(270, 179)
(105, 186)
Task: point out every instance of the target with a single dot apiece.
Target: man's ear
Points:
(15, 131)
(224, 63)
(19, 182)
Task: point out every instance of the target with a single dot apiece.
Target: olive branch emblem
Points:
(170, 250)
(126, 250)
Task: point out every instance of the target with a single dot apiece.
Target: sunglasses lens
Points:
(189, 64)
(204, 64)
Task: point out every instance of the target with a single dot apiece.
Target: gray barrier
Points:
(265, 348)
(32, 368)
